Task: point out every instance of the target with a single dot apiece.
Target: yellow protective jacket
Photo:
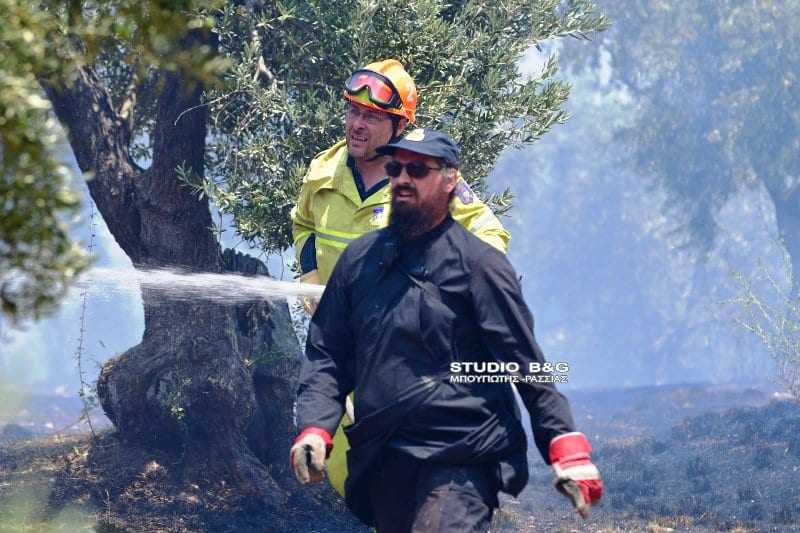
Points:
(330, 208)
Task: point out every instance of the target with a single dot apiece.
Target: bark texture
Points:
(213, 382)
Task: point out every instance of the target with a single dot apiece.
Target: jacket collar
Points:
(340, 177)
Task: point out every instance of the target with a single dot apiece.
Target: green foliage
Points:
(37, 258)
(176, 399)
(266, 127)
(131, 43)
(269, 122)
(126, 40)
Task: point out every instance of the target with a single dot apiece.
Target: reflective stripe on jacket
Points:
(330, 207)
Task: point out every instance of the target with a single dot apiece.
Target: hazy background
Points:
(617, 290)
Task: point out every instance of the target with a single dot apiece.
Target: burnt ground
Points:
(678, 458)
(62, 483)
(57, 484)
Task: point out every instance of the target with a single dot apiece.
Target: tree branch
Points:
(125, 110)
(152, 216)
(101, 147)
(179, 140)
(177, 95)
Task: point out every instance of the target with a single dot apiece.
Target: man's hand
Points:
(307, 455)
(576, 477)
(309, 303)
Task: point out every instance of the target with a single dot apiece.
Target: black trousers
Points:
(409, 495)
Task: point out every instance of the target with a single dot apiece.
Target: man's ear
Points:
(452, 178)
(401, 125)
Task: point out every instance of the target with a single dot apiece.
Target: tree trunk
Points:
(188, 385)
(787, 215)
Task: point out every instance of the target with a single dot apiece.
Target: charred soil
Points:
(71, 483)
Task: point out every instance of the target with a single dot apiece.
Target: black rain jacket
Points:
(393, 316)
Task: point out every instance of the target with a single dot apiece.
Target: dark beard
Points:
(408, 222)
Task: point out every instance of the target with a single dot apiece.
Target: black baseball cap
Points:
(426, 141)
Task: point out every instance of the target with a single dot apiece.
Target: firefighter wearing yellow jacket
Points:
(346, 193)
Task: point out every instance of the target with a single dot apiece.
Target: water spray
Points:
(176, 284)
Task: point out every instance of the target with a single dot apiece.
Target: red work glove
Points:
(308, 453)
(576, 477)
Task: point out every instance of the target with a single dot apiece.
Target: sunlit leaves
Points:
(37, 258)
(463, 56)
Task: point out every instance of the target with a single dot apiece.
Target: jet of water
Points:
(176, 284)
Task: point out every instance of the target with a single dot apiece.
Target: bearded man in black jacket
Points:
(404, 307)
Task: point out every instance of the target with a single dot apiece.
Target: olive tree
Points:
(235, 98)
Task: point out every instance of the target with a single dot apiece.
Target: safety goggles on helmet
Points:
(415, 169)
(380, 90)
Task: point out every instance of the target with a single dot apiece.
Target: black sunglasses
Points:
(415, 169)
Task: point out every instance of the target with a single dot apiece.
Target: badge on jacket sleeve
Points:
(464, 193)
(377, 216)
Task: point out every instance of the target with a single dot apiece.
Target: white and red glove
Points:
(308, 453)
(576, 477)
